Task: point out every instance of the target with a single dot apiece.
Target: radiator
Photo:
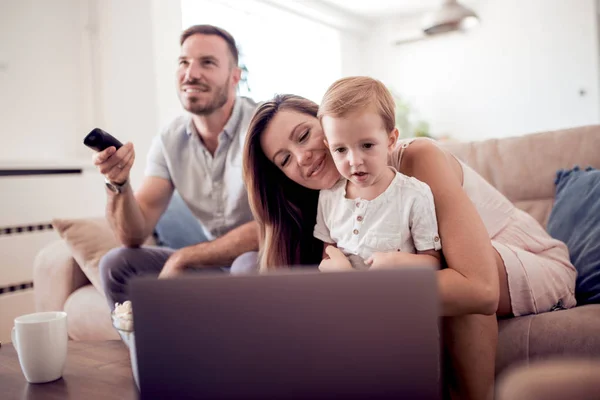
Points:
(31, 197)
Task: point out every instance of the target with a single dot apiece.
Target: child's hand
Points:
(336, 261)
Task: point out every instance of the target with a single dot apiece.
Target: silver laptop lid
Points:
(358, 334)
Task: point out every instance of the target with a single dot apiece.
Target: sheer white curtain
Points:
(283, 52)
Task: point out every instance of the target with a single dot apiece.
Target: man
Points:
(199, 155)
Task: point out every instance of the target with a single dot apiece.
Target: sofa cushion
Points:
(523, 167)
(575, 219)
(56, 275)
(564, 333)
(89, 239)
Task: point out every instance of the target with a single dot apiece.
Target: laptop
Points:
(291, 335)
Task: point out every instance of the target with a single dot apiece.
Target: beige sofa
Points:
(523, 168)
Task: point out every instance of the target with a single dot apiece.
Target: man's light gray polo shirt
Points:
(212, 187)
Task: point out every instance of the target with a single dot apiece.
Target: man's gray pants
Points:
(120, 265)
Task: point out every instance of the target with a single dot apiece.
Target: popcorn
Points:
(123, 316)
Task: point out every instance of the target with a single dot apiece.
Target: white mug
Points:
(41, 343)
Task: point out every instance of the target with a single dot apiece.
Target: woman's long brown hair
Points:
(285, 211)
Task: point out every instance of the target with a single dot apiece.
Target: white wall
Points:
(42, 106)
(353, 30)
(167, 29)
(353, 47)
(131, 95)
(521, 71)
(67, 66)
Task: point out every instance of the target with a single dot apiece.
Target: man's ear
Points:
(393, 138)
(236, 76)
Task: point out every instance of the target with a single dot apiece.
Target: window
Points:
(283, 52)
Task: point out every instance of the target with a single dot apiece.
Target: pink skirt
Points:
(540, 276)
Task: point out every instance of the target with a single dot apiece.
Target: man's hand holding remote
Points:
(115, 164)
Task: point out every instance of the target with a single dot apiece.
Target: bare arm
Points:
(470, 283)
(225, 249)
(219, 252)
(398, 259)
(430, 257)
(133, 217)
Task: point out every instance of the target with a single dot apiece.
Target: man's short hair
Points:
(213, 30)
(355, 93)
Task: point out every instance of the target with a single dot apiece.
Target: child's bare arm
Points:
(399, 259)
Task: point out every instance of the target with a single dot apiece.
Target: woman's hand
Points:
(335, 261)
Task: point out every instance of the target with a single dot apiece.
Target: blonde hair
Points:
(354, 93)
(284, 210)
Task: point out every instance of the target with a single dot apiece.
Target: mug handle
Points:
(13, 337)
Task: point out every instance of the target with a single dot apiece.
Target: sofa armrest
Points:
(89, 316)
(55, 276)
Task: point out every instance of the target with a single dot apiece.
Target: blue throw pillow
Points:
(178, 227)
(575, 219)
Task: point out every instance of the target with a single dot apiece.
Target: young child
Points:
(374, 213)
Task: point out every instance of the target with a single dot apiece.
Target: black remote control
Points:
(100, 140)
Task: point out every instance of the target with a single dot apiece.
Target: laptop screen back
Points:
(358, 334)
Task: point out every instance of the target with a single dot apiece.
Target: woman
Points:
(491, 249)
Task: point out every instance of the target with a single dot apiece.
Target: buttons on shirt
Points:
(355, 231)
(359, 218)
(436, 239)
(358, 204)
